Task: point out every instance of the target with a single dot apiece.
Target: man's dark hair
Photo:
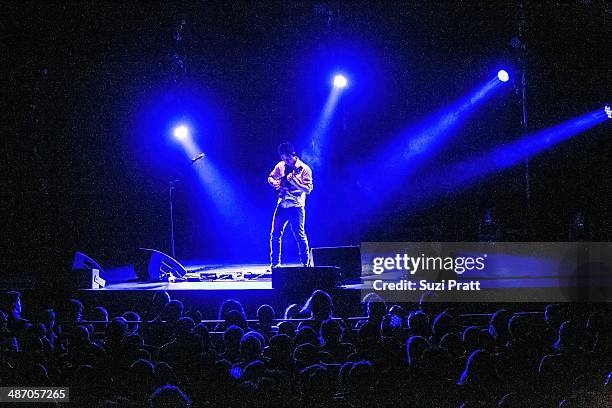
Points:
(286, 149)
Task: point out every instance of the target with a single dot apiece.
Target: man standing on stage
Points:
(292, 178)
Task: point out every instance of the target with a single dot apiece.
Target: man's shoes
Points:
(273, 266)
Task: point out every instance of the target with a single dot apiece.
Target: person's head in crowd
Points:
(80, 334)
(569, 337)
(31, 343)
(11, 304)
(131, 344)
(367, 337)
(428, 303)
(74, 311)
(331, 332)
(169, 396)
(343, 376)
(511, 400)
(398, 311)
(361, 378)
(184, 327)
(99, 314)
(253, 371)
(132, 318)
(498, 326)
(265, 316)
(554, 316)
(3, 320)
(231, 339)
(486, 341)
(391, 325)
(195, 314)
(375, 307)
(415, 346)
(319, 306)
(287, 328)
(172, 312)
(292, 311)
(201, 330)
(48, 319)
(32, 373)
(316, 385)
(436, 363)
(227, 306)
(479, 370)
(142, 371)
(305, 355)
(40, 330)
(473, 404)
(443, 323)
(235, 318)
(471, 339)
(115, 330)
(279, 351)
(519, 328)
(418, 324)
(160, 299)
(307, 335)
(387, 355)
(164, 374)
(250, 348)
(451, 343)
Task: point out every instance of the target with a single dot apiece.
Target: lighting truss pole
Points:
(522, 52)
(179, 70)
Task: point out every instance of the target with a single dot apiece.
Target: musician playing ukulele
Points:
(292, 179)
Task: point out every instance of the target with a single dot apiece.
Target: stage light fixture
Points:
(340, 81)
(503, 76)
(181, 132)
(608, 111)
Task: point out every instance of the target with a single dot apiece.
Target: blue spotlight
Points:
(181, 132)
(340, 81)
(503, 76)
(466, 172)
(608, 111)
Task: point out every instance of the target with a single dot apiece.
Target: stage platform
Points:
(227, 277)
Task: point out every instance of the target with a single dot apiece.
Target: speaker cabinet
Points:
(347, 258)
(87, 279)
(82, 261)
(154, 265)
(86, 273)
(305, 279)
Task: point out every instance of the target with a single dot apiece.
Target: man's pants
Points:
(295, 216)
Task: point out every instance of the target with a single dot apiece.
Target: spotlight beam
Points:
(313, 154)
(466, 172)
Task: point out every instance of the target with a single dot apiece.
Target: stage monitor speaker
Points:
(305, 279)
(82, 261)
(87, 279)
(155, 265)
(86, 273)
(347, 258)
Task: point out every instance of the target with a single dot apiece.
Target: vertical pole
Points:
(523, 65)
(170, 188)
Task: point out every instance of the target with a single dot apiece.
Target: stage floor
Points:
(250, 276)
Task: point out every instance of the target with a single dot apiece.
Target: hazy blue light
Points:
(468, 171)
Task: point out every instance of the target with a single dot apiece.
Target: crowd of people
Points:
(420, 355)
